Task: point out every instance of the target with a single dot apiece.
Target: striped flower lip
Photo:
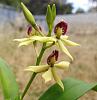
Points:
(60, 28)
(53, 57)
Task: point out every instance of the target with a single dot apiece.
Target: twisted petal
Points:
(43, 39)
(37, 69)
(62, 65)
(63, 48)
(69, 43)
(47, 75)
(57, 79)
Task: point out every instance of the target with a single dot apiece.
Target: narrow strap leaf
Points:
(8, 83)
(73, 90)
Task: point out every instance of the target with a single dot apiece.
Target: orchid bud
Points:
(53, 11)
(53, 57)
(29, 17)
(49, 16)
(60, 29)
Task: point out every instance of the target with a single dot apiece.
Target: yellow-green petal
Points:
(64, 37)
(63, 48)
(47, 75)
(25, 43)
(69, 43)
(28, 15)
(62, 65)
(43, 39)
(37, 69)
(21, 40)
(57, 79)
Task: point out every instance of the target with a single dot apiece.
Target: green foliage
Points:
(10, 2)
(64, 9)
(8, 82)
(73, 89)
(39, 6)
(93, 9)
(80, 10)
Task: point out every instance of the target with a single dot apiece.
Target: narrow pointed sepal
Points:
(21, 40)
(43, 39)
(62, 65)
(63, 48)
(24, 41)
(64, 37)
(37, 69)
(69, 43)
(47, 75)
(57, 79)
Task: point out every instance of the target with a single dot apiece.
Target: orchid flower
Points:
(49, 70)
(32, 37)
(62, 39)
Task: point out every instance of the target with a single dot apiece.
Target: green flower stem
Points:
(34, 74)
(37, 63)
(28, 85)
(49, 33)
(49, 45)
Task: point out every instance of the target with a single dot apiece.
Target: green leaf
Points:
(8, 83)
(73, 89)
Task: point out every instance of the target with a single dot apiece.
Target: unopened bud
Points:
(29, 17)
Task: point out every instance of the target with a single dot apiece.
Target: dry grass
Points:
(83, 67)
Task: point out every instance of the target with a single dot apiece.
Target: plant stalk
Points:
(37, 63)
(34, 74)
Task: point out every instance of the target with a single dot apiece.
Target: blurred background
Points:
(81, 16)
